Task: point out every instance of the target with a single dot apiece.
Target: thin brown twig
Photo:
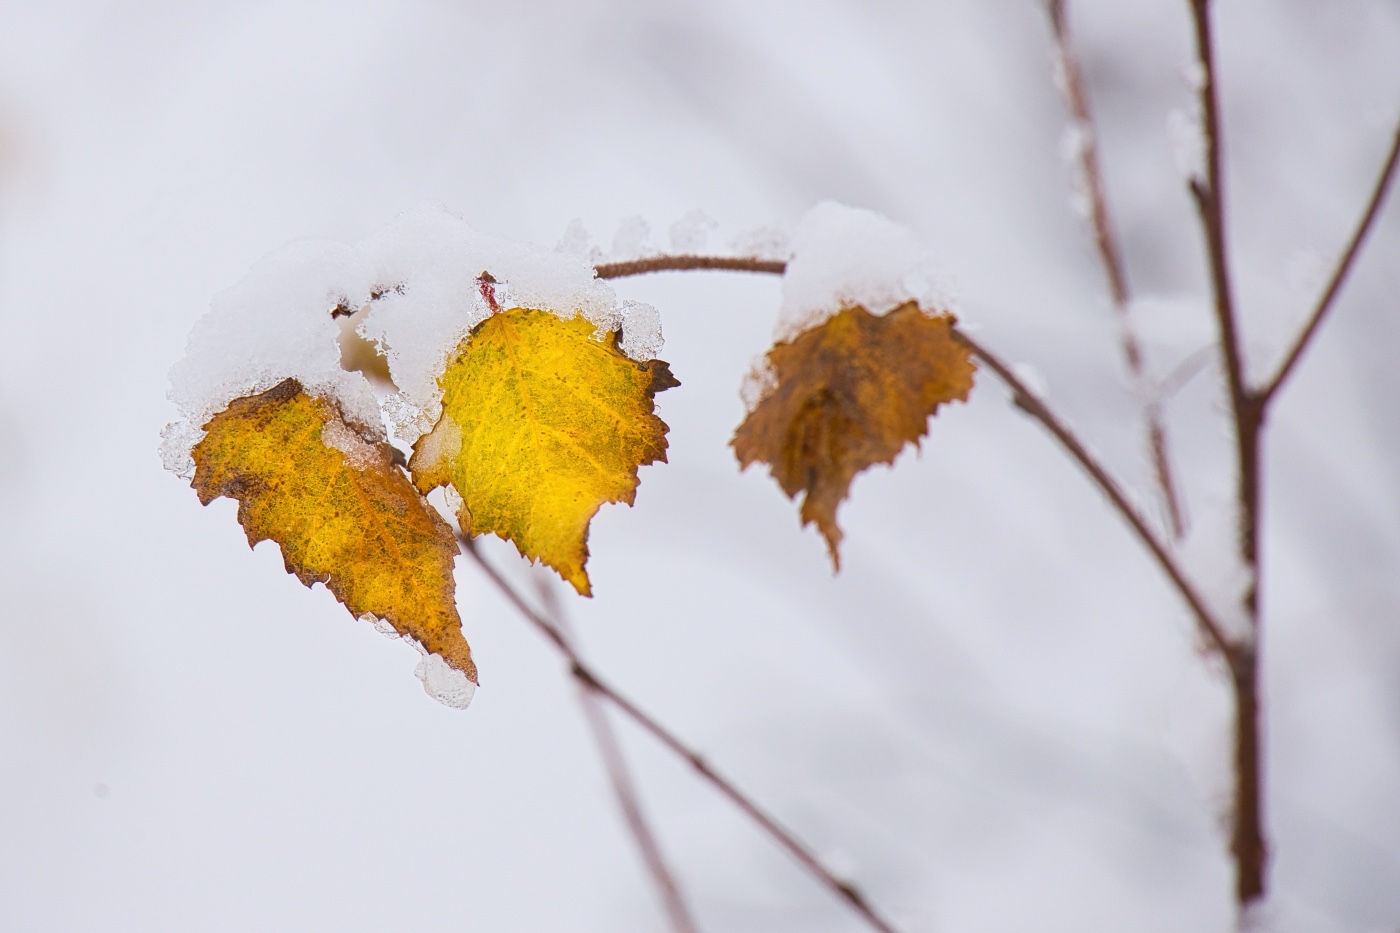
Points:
(1339, 274)
(682, 263)
(1210, 203)
(843, 889)
(624, 788)
(1111, 257)
(1247, 843)
(1031, 404)
(1210, 628)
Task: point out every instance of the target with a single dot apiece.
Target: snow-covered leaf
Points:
(341, 510)
(542, 422)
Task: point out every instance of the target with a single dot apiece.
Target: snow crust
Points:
(382, 626)
(641, 330)
(419, 278)
(443, 683)
(844, 256)
(440, 680)
(274, 324)
(437, 258)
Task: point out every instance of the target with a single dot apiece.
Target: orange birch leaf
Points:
(342, 512)
(849, 393)
(541, 424)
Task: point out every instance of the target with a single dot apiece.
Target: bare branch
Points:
(1339, 275)
(1247, 843)
(1247, 836)
(1247, 830)
(620, 270)
(1111, 257)
(1208, 194)
(1210, 629)
(590, 680)
(624, 788)
(1028, 402)
(1210, 203)
(1077, 100)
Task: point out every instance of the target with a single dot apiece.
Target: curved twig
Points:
(677, 263)
(1111, 257)
(1247, 837)
(1028, 402)
(1209, 196)
(1210, 629)
(846, 890)
(1339, 275)
(624, 787)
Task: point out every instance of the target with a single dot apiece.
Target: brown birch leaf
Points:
(541, 425)
(341, 511)
(849, 393)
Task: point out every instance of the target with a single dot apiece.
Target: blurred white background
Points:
(995, 718)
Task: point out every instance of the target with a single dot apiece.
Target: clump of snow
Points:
(274, 324)
(1210, 556)
(439, 259)
(441, 446)
(382, 626)
(177, 439)
(641, 330)
(1075, 142)
(844, 256)
(443, 683)
(404, 421)
(1076, 139)
(357, 452)
(575, 239)
(1188, 141)
(632, 239)
(1033, 379)
(421, 278)
(769, 242)
(451, 498)
(1059, 72)
(691, 234)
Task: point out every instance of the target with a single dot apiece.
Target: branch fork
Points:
(1249, 405)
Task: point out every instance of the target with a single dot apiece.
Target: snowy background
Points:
(996, 717)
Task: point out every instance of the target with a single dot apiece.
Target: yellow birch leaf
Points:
(342, 512)
(541, 424)
(850, 393)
